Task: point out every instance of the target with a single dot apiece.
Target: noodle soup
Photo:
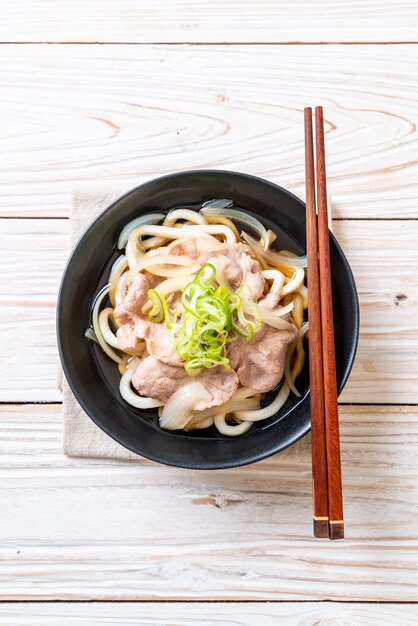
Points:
(203, 319)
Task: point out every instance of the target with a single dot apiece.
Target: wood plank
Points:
(383, 255)
(97, 529)
(204, 614)
(130, 113)
(32, 257)
(235, 21)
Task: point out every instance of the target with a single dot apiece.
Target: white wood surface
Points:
(77, 529)
(383, 255)
(129, 113)
(215, 21)
(218, 614)
(74, 529)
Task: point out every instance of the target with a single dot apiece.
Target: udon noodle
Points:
(202, 311)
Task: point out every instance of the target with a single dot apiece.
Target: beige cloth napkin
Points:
(82, 438)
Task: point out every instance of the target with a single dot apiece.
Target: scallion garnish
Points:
(208, 317)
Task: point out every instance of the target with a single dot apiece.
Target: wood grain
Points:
(215, 21)
(129, 113)
(203, 614)
(79, 529)
(32, 258)
(384, 257)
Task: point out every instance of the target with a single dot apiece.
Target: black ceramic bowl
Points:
(94, 379)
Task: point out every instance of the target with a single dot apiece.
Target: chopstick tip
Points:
(320, 528)
(336, 530)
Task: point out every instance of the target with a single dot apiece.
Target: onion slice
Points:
(283, 310)
(276, 258)
(179, 409)
(150, 218)
(266, 316)
(239, 216)
(295, 282)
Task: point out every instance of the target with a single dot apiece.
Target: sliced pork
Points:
(240, 267)
(160, 343)
(259, 363)
(133, 325)
(127, 337)
(155, 379)
(135, 298)
(129, 313)
(184, 247)
(270, 301)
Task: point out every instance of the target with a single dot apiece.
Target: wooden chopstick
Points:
(319, 454)
(328, 518)
(335, 501)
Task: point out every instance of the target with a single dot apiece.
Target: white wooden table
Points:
(129, 90)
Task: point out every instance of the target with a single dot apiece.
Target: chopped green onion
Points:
(209, 317)
(202, 271)
(159, 311)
